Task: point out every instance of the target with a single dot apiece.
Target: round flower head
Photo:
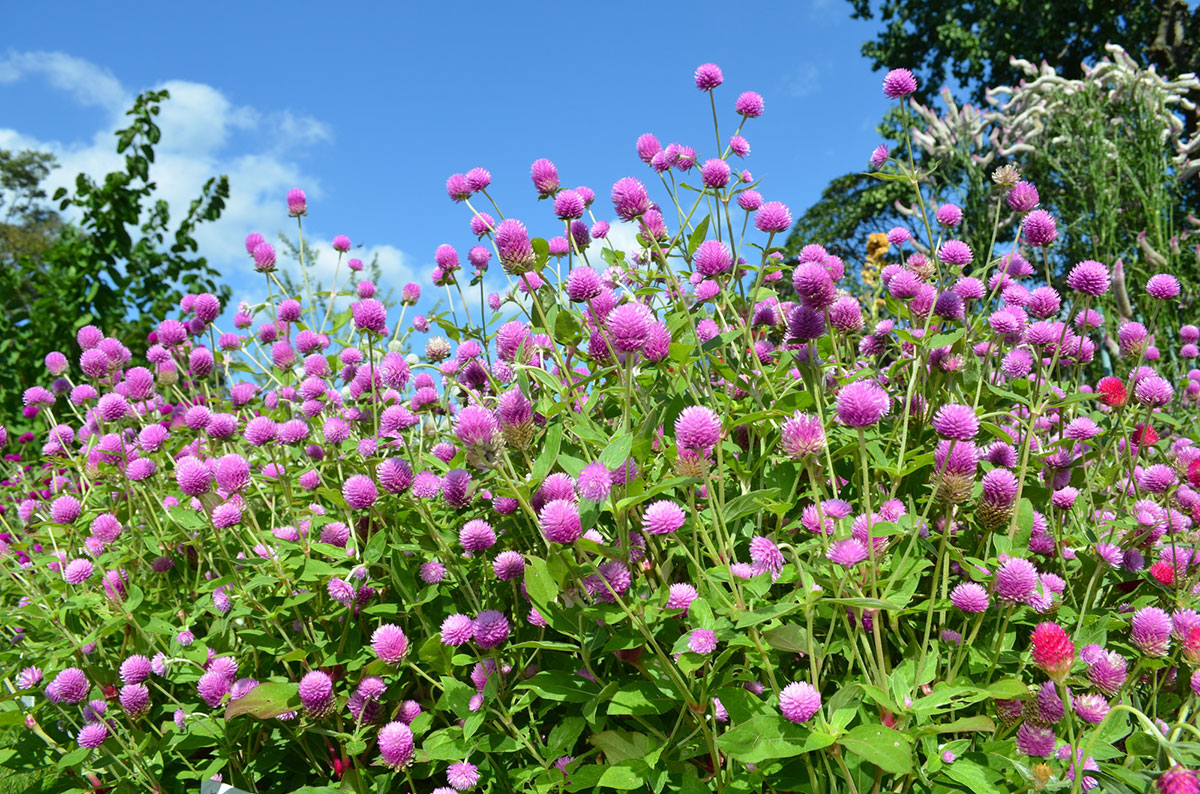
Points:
(708, 76)
(712, 258)
(1091, 709)
(1016, 580)
(647, 146)
(1177, 780)
(697, 428)
(1022, 197)
(628, 327)
(715, 173)
(135, 700)
(630, 199)
(1039, 228)
(773, 217)
(69, 686)
(462, 776)
(513, 245)
(545, 176)
(316, 694)
(559, 521)
(681, 596)
(802, 435)
(956, 421)
(749, 104)
(389, 643)
(899, 83)
(1053, 651)
(879, 156)
(1035, 740)
(663, 517)
(702, 641)
(969, 597)
(583, 284)
(477, 535)
(799, 701)
(490, 629)
(359, 491)
(92, 735)
(568, 205)
(949, 214)
(1163, 286)
(457, 629)
(508, 565)
(848, 553)
(64, 510)
(1089, 277)
(862, 403)
(814, 286)
(78, 571)
(396, 744)
(1151, 631)
(1154, 391)
(955, 252)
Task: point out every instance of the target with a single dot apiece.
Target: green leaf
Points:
(763, 738)
(266, 701)
(1008, 689)
(621, 777)
(942, 340)
(621, 746)
(764, 614)
(641, 698)
(550, 446)
(617, 451)
(878, 744)
(971, 775)
(789, 638)
(697, 236)
(375, 547)
(863, 603)
(539, 584)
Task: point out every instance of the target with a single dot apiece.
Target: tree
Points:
(121, 265)
(972, 42)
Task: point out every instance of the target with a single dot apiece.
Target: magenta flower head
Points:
(316, 694)
(478, 179)
(1154, 391)
(359, 491)
(1151, 631)
(629, 327)
(1053, 651)
(1176, 780)
(663, 517)
(1163, 286)
(715, 173)
(814, 285)
(749, 104)
(879, 156)
(69, 686)
(1039, 228)
(802, 435)
(848, 552)
(1022, 197)
(708, 76)
(969, 597)
(697, 427)
(389, 643)
(396, 744)
(92, 735)
(773, 217)
(568, 205)
(193, 476)
(1089, 277)
(560, 522)
(297, 202)
(702, 641)
(477, 535)
(630, 199)
(514, 247)
(1016, 580)
(544, 175)
(956, 421)
(457, 188)
(862, 403)
(476, 426)
(65, 509)
(949, 215)
(799, 701)
(647, 147)
(490, 629)
(955, 252)
(712, 258)
(370, 316)
(340, 243)
(899, 83)
(1035, 740)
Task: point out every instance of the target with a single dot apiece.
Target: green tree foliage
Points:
(121, 264)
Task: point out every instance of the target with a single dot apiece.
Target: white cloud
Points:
(204, 133)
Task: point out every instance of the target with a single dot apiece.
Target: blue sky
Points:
(370, 107)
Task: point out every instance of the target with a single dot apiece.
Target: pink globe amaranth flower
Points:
(862, 403)
(389, 643)
(457, 629)
(569, 205)
(739, 146)
(297, 202)
(508, 565)
(1150, 631)
(477, 535)
(749, 104)
(879, 156)
(513, 245)
(681, 596)
(316, 694)
(1091, 709)
(545, 176)
(750, 200)
(1035, 740)
(712, 258)
(69, 686)
(29, 678)
(1178, 780)
(955, 252)
(628, 327)
(630, 199)
(949, 215)
(697, 427)
(848, 552)
(359, 491)
(396, 744)
(1022, 197)
(663, 517)
(1016, 580)
(799, 701)
(969, 597)
(92, 735)
(490, 629)
(559, 521)
(1089, 277)
(135, 669)
(264, 257)
(457, 188)
(1162, 286)
(1154, 391)
(481, 223)
(899, 83)
(803, 435)
(647, 146)
(135, 700)
(370, 315)
(192, 476)
(702, 641)
(773, 217)
(956, 421)
(65, 509)
(1039, 228)
(341, 243)
(583, 284)
(213, 686)
(715, 173)
(595, 482)
(476, 426)
(77, 571)
(766, 557)
(478, 179)
(814, 286)
(708, 76)
(1053, 651)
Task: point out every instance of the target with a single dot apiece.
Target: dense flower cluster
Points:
(682, 517)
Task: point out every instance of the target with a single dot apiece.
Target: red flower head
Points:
(1143, 434)
(1163, 572)
(1191, 644)
(1053, 651)
(1112, 391)
(1193, 473)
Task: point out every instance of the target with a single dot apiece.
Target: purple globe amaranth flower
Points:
(814, 286)
(862, 403)
(799, 701)
(899, 83)
(477, 535)
(750, 200)
(712, 258)
(628, 327)
(766, 557)
(802, 435)
(697, 428)
(1089, 277)
(490, 629)
(559, 521)
(955, 252)
(1150, 631)
(316, 694)
(1022, 197)
(396, 744)
(681, 596)
(663, 517)
(949, 215)
(457, 629)
(514, 247)
(715, 173)
(969, 597)
(595, 482)
(1035, 740)
(1154, 391)
(956, 421)
(370, 315)
(359, 491)
(708, 76)
(462, 776)
(703, 641)
(1016, 580)
(389, 643)
(848, 552)
(1039, 228)
(568, 205)
(749, 104)
(1091, 708)
(879, 156)
(1162, 286)
(647, 146)
(213, 686)
(508, 565)
(297, 202)
(476, 426)
(545, 176)
(1177, 780)
(92, 735)
(69, 686)
(773, 217)
(630, 199)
